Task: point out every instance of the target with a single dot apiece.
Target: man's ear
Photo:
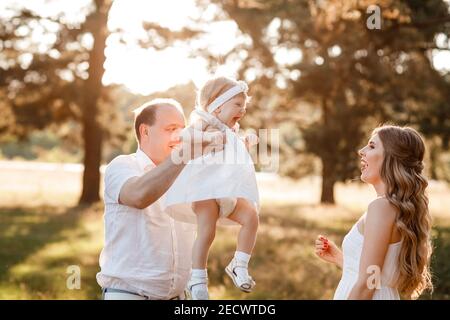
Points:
(143, 130)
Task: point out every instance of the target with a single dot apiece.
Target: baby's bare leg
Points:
(207, 213)
(246, 215)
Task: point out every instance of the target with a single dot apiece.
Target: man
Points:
(147, 254)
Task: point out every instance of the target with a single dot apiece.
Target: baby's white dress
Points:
(224, 176)
(351, 249)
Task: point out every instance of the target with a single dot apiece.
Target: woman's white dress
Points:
(351, 249)
(225, 176)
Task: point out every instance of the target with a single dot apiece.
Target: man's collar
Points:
(145, 163)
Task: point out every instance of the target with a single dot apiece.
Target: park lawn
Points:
(38, 244)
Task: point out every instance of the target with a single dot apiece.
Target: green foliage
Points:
(354, 76)
(42, 146)
(51, 74)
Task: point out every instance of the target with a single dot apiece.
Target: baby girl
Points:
(219, 190)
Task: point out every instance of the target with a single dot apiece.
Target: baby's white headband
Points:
(241, 86)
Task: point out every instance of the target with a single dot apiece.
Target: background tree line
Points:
(339, 80)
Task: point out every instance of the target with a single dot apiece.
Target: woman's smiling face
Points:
(372, 156)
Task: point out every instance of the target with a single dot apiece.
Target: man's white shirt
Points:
(145, 250)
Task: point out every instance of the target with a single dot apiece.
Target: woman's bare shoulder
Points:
(381, 210)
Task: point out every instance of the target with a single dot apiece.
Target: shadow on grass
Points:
(283, 264)
(47, 240)
(24, 233)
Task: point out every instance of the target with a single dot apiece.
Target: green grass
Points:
(441, 262)
(42, 233)
(38, 244)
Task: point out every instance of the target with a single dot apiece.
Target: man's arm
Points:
(140, 192)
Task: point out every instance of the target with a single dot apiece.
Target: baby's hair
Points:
(213, 88)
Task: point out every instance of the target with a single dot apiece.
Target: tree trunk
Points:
(328, 181)
(92, 137)
(434, 156)
(92, 131)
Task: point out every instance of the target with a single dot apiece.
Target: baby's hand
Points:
(251, 140)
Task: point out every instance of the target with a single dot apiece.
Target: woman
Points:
(387, 252)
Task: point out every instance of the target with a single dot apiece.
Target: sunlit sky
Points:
(147, 70)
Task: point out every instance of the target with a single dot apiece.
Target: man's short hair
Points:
(146, 114)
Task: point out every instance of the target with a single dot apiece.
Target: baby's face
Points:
(232, 111)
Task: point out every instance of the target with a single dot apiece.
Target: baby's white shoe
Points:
(242, 282)
(197, 289)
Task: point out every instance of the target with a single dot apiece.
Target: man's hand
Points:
(196, 143)
(140, 192)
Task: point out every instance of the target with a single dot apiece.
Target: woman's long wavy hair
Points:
(401, 171)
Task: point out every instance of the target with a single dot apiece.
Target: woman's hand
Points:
(328, 251)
